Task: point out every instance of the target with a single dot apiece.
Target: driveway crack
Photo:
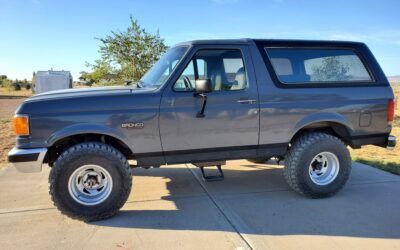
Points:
(219, 207)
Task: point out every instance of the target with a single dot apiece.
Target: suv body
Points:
(264, 94)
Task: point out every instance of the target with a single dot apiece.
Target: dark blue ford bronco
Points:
(205, 102)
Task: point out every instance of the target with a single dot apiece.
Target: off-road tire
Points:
(90, 153)
(299, 158)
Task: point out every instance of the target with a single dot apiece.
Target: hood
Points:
(88, 100)
(82, 92)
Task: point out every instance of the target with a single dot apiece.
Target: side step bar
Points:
(210, 178)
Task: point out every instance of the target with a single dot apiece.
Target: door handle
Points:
(247, 101)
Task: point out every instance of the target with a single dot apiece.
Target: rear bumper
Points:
(391, 142)
(381, 140)
(27, 160)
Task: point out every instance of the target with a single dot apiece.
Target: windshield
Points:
(161, 71)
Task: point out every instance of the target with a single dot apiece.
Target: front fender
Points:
(322, 117)
(86, 128)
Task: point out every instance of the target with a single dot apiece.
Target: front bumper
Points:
(27, 160)
(391, 142)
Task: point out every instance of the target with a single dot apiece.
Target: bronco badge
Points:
(136, 125)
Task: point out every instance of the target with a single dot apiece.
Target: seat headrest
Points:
(240, 79)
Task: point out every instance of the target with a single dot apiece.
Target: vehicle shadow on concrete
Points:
(254, 199)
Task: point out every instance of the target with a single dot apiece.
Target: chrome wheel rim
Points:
(90, 185)
(324, 168)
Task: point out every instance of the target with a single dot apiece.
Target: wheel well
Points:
(333, 128)
(61, 145)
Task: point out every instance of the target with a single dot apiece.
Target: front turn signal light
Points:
(21, 124)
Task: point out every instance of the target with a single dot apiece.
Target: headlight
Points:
(21, 124)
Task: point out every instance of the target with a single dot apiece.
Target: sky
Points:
(44, 34)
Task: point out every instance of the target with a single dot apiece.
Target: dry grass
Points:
(4, 92)
(7, 140)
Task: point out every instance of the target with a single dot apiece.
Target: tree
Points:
(83, 75)
(101, 69)
(331, 69)
(128, 54)
(2, 78)
(7, 83)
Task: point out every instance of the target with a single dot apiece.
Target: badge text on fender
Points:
(135, 125)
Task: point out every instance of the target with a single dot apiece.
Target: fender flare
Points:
(86, 128)
(322, 117)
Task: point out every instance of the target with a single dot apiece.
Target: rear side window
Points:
(307, 65)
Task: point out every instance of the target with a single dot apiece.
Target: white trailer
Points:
(52, 80)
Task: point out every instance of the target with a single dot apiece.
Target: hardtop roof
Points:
(272, 42)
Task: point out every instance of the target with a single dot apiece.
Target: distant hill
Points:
(394, 80)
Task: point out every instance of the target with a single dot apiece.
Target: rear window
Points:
(305, 65)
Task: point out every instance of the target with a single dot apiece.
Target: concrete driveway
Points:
(171, 208)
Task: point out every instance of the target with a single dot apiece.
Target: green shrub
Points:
(7, 84)
(17, 86)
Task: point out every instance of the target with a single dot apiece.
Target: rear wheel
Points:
(90, 181)
(317, 165)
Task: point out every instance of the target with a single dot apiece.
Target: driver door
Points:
(231, 118)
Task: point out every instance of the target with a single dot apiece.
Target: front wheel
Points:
(90, 181)
(317, 165)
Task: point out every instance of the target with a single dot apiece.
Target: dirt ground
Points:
(7, 107)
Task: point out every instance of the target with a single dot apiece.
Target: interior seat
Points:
(216, 80)
(240, 80)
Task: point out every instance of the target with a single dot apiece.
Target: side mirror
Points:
(203, 86)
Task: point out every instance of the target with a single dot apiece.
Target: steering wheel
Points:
(187, 82)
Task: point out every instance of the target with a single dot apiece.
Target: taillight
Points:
(390, 113)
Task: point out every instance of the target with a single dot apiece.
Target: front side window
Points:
(161, 71)
(298, 65)
(224, 67)
(186, 82)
